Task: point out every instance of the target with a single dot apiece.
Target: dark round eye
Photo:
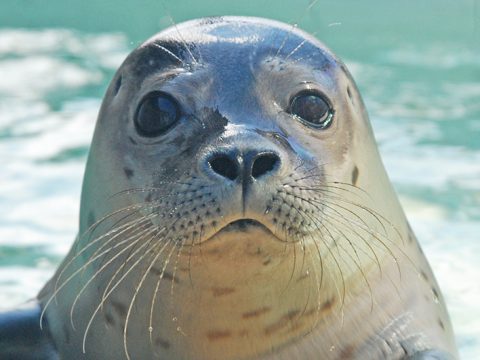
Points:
(157, 113)
(311, 109)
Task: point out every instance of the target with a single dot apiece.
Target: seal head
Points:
(235, 206)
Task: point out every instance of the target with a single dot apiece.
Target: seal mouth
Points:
(246, 226)
(243, 225)
(251, 228)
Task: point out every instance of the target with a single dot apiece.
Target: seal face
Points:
(235, 206)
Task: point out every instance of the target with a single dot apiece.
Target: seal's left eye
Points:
(311, 109)
(157, 113)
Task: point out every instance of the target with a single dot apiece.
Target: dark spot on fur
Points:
(347, 352)
(441, 324)
(132, 140)
(344, 68)
(169, 276)
(256, 313)
(267, 261)
(128, 172)
(109, 319)
(213, 251)
(166, 275)
(118, 85)
(162, 342)
(349, 93)
(411, 235)
(218, 334)
(147, 59)
(304, 276)
(435, 293)
(222, 291)
(148, 198)
(355, 174)
(424, 275)
(283, 322)
(120, 308)
(91, 219)
(327, 305)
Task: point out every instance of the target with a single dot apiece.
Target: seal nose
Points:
(250, 166)
(225, 165)
(263, 164)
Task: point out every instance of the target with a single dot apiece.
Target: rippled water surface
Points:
(417, 65)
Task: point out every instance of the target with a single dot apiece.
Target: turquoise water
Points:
(417, 64)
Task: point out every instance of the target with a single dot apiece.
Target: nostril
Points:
(224, 166)
(264, 163)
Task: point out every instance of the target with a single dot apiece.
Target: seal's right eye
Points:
(157, 113)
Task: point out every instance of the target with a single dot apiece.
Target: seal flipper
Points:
(21, 337)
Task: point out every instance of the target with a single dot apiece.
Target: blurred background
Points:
(416, 62)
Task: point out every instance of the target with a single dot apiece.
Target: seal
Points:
(235, 206)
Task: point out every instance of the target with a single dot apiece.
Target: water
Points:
(417, 64)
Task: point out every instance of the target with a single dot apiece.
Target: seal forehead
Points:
(228, 35)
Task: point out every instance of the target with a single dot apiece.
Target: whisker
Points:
(343, 293)
(137, 225)
(131, 255)
(299, 46)
(58, 288)
(376, 235)
(157, 286)
(92, 227)
(105, 296)
(295, 25)
(117, 232)
(184, 43)
(318, 281)
(170, 53)
(357, 264)
(133, 243)
(362, 225)
(156, 189)
(365, 241)
(137, 289)
(317, 223)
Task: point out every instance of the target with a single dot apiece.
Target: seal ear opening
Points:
(118, 85)
(349, 93)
